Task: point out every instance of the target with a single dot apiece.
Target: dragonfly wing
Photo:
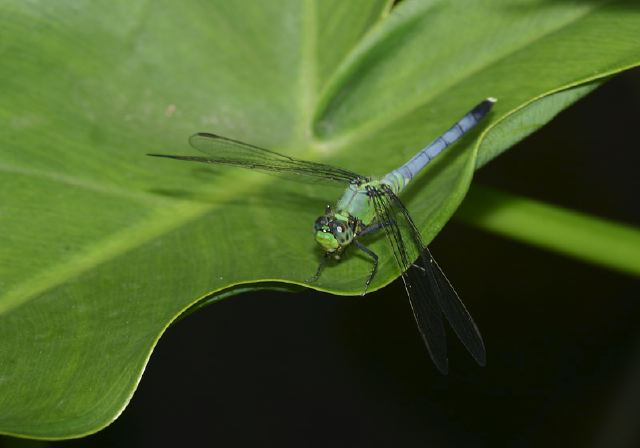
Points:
(423, 302)
(456, 313)
(436, 284)
(226, 151)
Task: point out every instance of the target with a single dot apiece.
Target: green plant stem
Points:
(609, 244)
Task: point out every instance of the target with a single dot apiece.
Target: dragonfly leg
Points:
(377, 226)
(372, 228)
(321, 266)
(374, 257)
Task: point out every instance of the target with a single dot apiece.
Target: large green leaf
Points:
(103, 247)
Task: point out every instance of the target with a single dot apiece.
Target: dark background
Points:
(311, 369)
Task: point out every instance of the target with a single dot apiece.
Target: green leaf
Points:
(102, 247)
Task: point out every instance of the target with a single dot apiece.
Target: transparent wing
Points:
(430, 292)
(225, 151)
(423, 303)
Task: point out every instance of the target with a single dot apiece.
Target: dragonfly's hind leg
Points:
(321, 266)
(374, 257)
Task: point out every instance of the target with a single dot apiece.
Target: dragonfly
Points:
(368, 205)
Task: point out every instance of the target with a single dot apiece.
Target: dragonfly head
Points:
(333, 232)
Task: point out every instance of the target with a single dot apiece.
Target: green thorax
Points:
(355, 202)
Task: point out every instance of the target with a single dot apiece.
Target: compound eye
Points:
(321, 224)
(337, 228)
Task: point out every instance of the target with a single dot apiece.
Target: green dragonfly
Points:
(370, 204)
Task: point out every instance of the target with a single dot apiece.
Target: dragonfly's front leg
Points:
(321, 266)
(374, 257)
(372, 228)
